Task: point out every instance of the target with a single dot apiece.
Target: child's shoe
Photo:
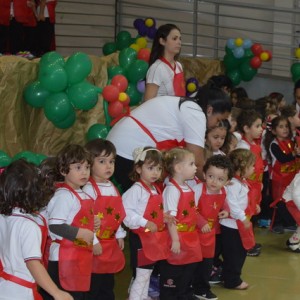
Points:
(263, 223)
(294, 246)
(209, 295)
(255, 251)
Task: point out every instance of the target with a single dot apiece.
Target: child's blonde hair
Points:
(241, 159)
(173, 157)
(144, 155)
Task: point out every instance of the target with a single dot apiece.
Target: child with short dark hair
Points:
(108, 207)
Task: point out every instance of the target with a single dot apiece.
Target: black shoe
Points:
(295, 247)
(278, 229)
(216, 275)
(255, 251)
(290, 228)
(207, 296)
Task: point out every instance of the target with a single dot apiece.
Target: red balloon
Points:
(115, 109)
(270, 55)
(144, 54)
(120, 81)
(256, 49)
(255, 62)
(110, 93)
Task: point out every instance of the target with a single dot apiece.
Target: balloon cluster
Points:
(191, 86)
(295, 67)
(61, 88)
(145, 27)
(243, 58)
(31, 157)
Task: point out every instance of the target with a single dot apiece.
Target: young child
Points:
(236, 94)
(71, 224)
(236, 231)
(165, 75)
(108, 256)
(145, 219)
(249, 123)
(210, 200)
(23, 192)
(178, 270)
(281, 152)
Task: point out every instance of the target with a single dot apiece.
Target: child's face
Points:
(216, 137)
(255, 130)
(297, 96)
(215, 179)
(149, 173)
(103, 167)
(232, 124)
(249, 170)
(282, 130)
(78, 175)
(295, 120)
(186, 169)
(233, 143)
(234, 99)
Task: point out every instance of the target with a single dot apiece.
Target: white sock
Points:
(138, 289)
(295, 238)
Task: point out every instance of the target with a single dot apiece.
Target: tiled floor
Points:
(274, 275)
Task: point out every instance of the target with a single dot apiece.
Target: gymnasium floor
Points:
(274, 275)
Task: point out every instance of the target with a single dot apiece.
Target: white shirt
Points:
(163, 118)
(292, 192)
(237, 199)
(135, 201)
(62, 209)
(20, 242)
(106, 189)
(162, 75)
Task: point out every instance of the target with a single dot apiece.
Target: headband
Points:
(139, 154)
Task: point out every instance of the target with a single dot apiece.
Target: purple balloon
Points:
(142, 30)
(151, 32)
(141, 85)
(138, 23)
(192, 80)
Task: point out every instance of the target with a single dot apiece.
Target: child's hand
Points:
(86, 235)
(257, 209)
(30, 3)
(151, 226)
(97, 223)
(175, 248)
(121, 243)
(206, 228)
(223, 214)
(62, 295)
(247, 223)
(169, 219)
(97, 249)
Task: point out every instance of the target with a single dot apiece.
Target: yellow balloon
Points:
(297, 52)
(238, 42)
(264, 56)
(122, 96)
(135, 47)
(142, 42)
(191, 87)
(149, 22)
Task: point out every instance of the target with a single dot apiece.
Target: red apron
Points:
(255, 180)
(51, 10)
(155, 246)
(178, 79)
(163, 145)
(18, 280)
(5, 12)
(24, 14)
(76, 257)
(282, 173)
(111, 212)
(190, 248)
(209, 206)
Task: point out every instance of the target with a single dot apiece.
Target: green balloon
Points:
(40, 157)
(230, 62)
(52, 58)
(137, 70)
(83, 95)
(126, 57)
(109, 48)
(123, 44)
(78, 67)
(246, 71)
(123, 36)
(228, 51)
(133, 93)
(5, 160)
(106, 114)
(67, 122)
(248, 53)
(57, 107)
(28, 156)
(235, 76)
(295, 69)
(35, 95)
(97, 131)
(115, 70)
(53, 78)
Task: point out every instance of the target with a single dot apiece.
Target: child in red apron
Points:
(22, 237)
(177, 272)
(108, 207)
(165, 75)
(145, 219)
(210, 201)
(71, 224)
(236, 231)
(281, 152)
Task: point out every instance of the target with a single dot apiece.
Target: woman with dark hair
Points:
(167, 122)
(165, 75)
